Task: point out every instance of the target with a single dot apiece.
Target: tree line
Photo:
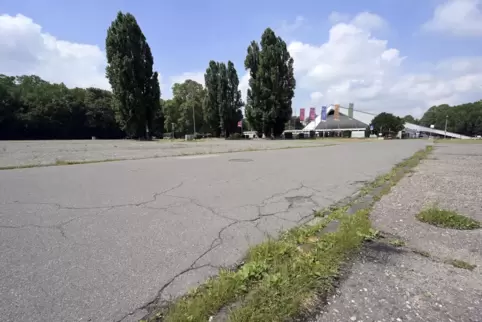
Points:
(32, 108)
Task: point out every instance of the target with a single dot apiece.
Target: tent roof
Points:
(343, 123)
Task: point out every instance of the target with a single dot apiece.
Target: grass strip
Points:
(461, 264)
(301, 275)
(447, 219)
(459, 141)
(282, 278)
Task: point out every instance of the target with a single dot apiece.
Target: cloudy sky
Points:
(401, 56)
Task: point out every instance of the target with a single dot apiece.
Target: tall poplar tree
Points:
(134, 84)
(210, 102)
(272, 84)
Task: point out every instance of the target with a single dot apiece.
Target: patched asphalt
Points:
(100, 242)
(415, 282)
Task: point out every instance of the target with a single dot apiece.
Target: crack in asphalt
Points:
(292, 203)
(218, 241)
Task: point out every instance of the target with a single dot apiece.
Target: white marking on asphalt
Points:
(189, 157)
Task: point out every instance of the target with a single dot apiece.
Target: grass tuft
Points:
(397, 243)
(447, 219)
(461, 264)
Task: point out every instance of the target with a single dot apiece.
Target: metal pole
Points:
(194, 120)
(446, 121)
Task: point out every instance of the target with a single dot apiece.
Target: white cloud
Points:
(457, 17)
(26, 49)
(354, 66)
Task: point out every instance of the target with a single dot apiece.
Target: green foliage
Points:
(294, 123)
(447, 219)
(461, 264)
(211, 101)
(271, 84)
(222, 102)
(186, 106)
(31, 108)
(464, 119)
(410, 119)
(387, 123)
(134, 84)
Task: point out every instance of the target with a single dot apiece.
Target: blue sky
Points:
(184, 35)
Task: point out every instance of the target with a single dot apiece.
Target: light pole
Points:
(446, 121)
(194, 119)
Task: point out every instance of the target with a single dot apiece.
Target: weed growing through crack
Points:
(397, 243)
(461, 264)
(421, 253)
(447, 219)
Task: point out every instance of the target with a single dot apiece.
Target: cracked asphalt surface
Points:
(23, 153)
(100, 242)
(404, 284)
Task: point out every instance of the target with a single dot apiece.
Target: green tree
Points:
(210, 101)
(464, 119)
(410, 119)
(171, 116)
(235, 102)
(222, 102)
(272, 84)
(386, 123)
(253, 110)
(134, 84)
(187, 101)
(32, 108)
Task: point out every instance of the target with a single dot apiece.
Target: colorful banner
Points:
(240, 124)
(350, 110)
(312, 114)
(336, 117)
(323, 113)
(302, 114)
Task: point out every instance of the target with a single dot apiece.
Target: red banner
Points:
(240, 124)
(312, 113)
(302, 114)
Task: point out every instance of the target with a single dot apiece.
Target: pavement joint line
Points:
(83, 162)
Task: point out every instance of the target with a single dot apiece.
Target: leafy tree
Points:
(463, 119)
(31, 108)
(171, 115)
(410, 119)
(134, 84)
(294, 123)
(222, 102)
(229, 99)
(211, 100)
(386, 123)
(254, 109)
(187, 106)
(272, 84)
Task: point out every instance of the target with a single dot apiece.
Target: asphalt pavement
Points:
(417, 282)
(100, 242)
